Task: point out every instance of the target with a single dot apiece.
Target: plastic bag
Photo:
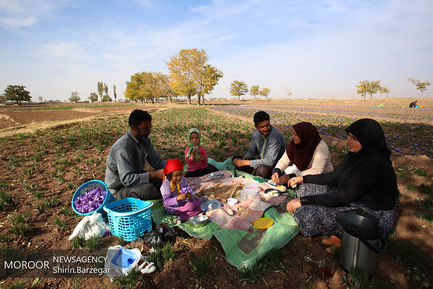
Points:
(159, 236)
(89, 226)
(119, 261)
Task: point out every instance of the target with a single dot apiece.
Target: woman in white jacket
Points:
(306, 154)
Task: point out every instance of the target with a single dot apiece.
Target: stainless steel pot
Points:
(361, 242)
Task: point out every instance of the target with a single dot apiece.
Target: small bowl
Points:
(198, 221)
(232, 201)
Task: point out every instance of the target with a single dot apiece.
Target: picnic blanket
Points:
(243, 244)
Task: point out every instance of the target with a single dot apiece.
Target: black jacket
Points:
(369, 180)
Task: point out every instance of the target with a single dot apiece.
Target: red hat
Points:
(172, 165)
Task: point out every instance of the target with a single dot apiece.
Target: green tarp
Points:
(243, 248)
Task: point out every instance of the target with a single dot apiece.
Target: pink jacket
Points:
(192, 164)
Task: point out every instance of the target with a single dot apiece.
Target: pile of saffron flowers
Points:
(90, 200)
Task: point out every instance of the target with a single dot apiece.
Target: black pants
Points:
(201, 172)
(261, 171)
(149, 191)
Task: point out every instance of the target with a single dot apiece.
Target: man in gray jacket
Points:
(267, 142)
(125, 175)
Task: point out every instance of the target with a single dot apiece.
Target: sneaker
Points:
(150, 268)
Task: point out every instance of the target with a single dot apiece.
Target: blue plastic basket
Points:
(90, 185)
(129, 218)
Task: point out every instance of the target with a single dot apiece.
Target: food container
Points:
(232, 201)
(198, 221)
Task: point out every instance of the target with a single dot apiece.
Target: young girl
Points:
(176, 193)
(195, 156)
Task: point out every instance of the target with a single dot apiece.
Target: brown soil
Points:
(302, 258)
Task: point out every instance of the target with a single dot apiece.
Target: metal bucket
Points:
(354, 254)
(361, 242)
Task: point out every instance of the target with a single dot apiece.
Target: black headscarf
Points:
(371, 136)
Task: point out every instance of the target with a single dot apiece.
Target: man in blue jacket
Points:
(125, 175)
(266, 142)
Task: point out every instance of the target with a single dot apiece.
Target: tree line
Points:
(372, 87)
(190, 75)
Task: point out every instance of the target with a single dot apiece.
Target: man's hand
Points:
(156, 174)
(241, 162)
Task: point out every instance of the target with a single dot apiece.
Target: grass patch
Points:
(270, 262)
(62, 226)
(202, 265)
(416, 262)
(20, 224)
(426, 209)
(160, 255)
(129, 281)
(66, 211)
(426, 189)
(93, 244)
(78, 242)
(47, 204)
(410, 187)
(18, 285)
(5, 199)
(420, 172)
(361, 280)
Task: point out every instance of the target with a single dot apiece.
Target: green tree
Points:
(114, 93)
(420, 85)
(74, 97)
(162, 86)
(106, 98)
(238, 88)
(254, 90)
(100, 89)
(17, 93)
(2, 98)
(362, 88)
(93, 97)
(210, 77)
(373, 87)
(265, 92)
(186, 71)
(143, 87)
(384, 89)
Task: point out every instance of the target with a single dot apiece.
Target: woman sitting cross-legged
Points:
(365, 178)
(307, 152)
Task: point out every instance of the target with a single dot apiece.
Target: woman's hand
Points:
(293, 182)
(275, 178)
(284, 179)
(293, 205)
(181, 197)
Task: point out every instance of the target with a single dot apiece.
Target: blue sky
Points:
(312, 48)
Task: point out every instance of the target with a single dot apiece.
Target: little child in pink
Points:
(195, 156)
